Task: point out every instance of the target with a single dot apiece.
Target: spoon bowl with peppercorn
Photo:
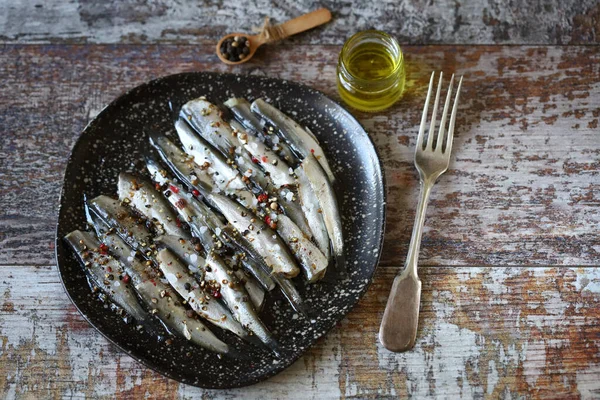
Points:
(237, 48)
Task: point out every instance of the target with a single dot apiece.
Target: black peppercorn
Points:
(235, 48)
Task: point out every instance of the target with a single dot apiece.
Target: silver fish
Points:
(329, 207)
(237, 299)
(157, 172)
(313, 262)
(277, 169)
(238, 144)
(208, 309)
(160, 298)
(268, 245)
(262, 238)
(255, 290)
(291, 294)
(202, 302)
(203, 221)
(180, 162)
(140, 194)
(187, 252)
(278, 172)
(309, 256)
(289, 201)
(226, 177)
(301, 141)
(104, 271)
(240, 108)
(128, 226)
(312, 211)
(207, 120)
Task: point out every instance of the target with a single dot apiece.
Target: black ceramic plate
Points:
(114, 141)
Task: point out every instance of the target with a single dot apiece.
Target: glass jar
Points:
(370, 71)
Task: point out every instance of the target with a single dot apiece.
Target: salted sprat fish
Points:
(160, 298)
(313, 213)
(278, 176)
(119, 217)
(307, 254)
(303, 142)
(267, 245)
(188, 252)
(260, 236)
(207, 120)
(179, 161)
(201, 301)
(224, 177)
(204, 116)
(189, 213)
(103, 270)
(204, 154)
(326, 196)
(286, 286)
(240, 108)
(291, 294)
(313, 262)
(289, 201)
(277, 169)
(237, 299)
(206, 307)
(242, 149)
(200, 217)
(142, 195)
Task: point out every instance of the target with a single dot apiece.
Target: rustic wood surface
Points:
(412, 22)
(511, 292)
(484, 332)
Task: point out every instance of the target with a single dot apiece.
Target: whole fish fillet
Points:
(142, 195)
(104, 271)
(326, 196)
(160, 298)
(301, 141)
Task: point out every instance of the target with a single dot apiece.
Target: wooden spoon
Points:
(289, 28)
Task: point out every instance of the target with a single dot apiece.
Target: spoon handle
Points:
(306, 22)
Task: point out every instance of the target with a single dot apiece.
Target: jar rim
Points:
(345, 49)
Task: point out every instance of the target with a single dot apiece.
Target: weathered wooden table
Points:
(509, 261)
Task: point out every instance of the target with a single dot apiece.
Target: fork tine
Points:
(434, 113)
(424, 117)
(453, 118)
(440, 138)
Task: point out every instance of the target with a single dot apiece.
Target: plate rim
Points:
(289, 361)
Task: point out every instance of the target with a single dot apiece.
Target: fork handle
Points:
(398, 330)
(412, 258)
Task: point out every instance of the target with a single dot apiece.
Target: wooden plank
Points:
(502, 332)
(522, 188)
(445, 21)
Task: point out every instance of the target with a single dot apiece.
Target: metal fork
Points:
(398, 330)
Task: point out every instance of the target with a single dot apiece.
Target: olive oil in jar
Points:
(370, 73)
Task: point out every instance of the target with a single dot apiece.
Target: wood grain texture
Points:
(522, 188)
(412, 22)
(483, 333)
